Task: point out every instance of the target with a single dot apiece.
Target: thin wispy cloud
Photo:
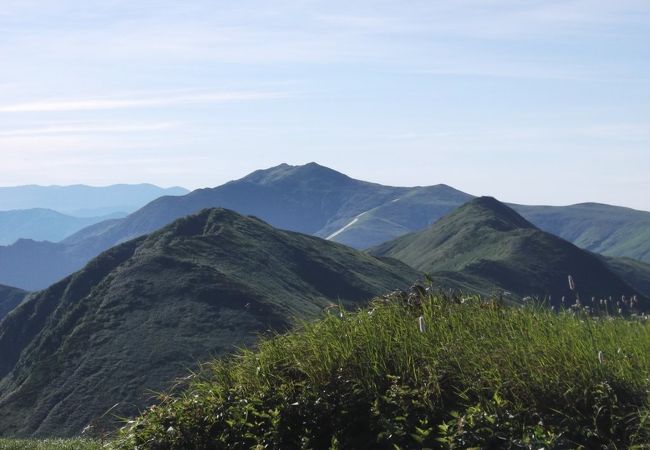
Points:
(435, 88)
(94, 104)
(86, 128)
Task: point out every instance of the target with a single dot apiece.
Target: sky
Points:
(536, 102)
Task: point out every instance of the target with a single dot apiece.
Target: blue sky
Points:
(530, 101)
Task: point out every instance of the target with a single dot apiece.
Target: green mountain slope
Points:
(9, 298)
(609, 230)
(42, 225)
(485, 244)
(145, 311)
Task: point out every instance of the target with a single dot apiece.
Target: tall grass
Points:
(49, 444)
(417, 370)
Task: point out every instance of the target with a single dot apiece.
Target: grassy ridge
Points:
(418, 370)
(146, 311)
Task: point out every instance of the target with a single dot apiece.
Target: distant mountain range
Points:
(9, 299)
(317, 200)
(43, 225)
(485, 246)
(145, 311)
(167, 292)
(83, 201)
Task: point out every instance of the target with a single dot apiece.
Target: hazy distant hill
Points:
(317, 200)
(412, 209)
(606, 229)
(145, 311)
(81, 200)
(32, 265)
(9, 299)
(635, 273)
(42, 225)
(491, 246)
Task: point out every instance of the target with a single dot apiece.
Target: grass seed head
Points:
(572, 284)
(421, 324)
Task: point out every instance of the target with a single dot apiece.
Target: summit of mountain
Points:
(292, 175)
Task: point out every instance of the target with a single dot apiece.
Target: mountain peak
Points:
(210, 221)
(288, 173)
(489, 209)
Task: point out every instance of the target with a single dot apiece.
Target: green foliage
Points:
(492, 424)
(476, 374)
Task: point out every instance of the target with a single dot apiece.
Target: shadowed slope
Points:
(143, 312)
(9, 298)
(635, 273)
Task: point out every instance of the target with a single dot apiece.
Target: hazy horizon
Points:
(371, 181)
(530, 102)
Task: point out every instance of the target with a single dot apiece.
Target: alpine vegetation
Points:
(419, 370)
